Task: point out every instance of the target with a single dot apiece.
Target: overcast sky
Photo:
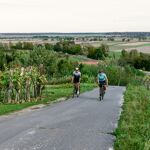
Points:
(74, 15)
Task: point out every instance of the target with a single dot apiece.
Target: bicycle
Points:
(101, 92)
(75, 90)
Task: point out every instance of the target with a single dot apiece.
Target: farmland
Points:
(115, 41)
(37, 69)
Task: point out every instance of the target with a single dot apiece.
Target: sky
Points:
(74, 15)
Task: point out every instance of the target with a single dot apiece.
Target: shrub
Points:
(98, 53)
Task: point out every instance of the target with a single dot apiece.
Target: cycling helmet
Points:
(76, 68)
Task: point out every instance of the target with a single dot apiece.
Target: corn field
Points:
(21, 84)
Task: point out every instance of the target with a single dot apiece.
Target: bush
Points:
(68, 47)
(98, 53)
(87, 79)
(89, 70)
(133, 58)
(60, 80)
(117, 75)
(28, 46)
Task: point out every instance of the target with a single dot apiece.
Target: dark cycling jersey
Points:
(76, 77)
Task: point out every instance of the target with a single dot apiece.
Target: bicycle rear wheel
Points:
(101, 96)
(103, 92)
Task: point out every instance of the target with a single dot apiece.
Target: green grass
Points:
(133, 132)
(50, 94)
(78, 58)
(53, 92)
(147, 44)
(118, 47)
(114, 54)
(7, 108)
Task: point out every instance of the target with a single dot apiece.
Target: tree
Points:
(74, 49)
(48, 58)
(98, 53)
(18, 45)
(22, 56)
(105, 49)
(68, 47)
(64, 67)
(49, 46)
(91, 52)
(58, 47)
(2, 59)
(1, 46)
(124, 53)
(28, 46)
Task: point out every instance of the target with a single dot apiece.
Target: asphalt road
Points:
(82, 123)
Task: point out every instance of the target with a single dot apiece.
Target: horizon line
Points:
(75, 32)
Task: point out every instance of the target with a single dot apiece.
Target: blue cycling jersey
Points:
(102, 77)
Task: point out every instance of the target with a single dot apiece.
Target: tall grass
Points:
(116, 75)
(133, 132)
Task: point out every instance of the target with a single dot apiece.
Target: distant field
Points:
(117, 45)
(136, 44)
(98, 43)
(140, 46)
(144, 49)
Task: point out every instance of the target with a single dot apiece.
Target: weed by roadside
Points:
(133, 132)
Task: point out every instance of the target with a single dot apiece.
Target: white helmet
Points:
(76, 68)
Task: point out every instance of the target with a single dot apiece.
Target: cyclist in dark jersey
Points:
(76, 79)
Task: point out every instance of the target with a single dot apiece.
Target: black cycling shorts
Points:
(101, 83)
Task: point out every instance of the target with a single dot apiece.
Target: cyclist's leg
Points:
(100, 92)
(78, 88)
(100, 89)
(104, 84)
(74, 89)
(103, 90)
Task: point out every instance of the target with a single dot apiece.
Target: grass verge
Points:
(50, 94)
(133, 132)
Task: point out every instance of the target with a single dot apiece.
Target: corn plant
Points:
(21, 84)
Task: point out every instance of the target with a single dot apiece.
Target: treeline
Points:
(134, 58)
(54, 64)
(67, 47)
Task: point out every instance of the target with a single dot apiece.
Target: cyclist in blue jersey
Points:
(102, 79)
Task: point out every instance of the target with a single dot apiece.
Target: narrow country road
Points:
(82, 123)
